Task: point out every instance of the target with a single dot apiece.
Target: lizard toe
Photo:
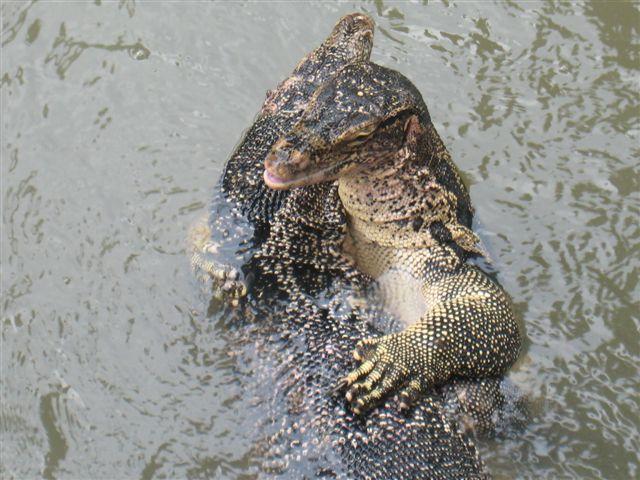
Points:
(365, 385)
(364, 348)
(371, 399)
(359, 372)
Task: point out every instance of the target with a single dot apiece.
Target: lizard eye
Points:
(359, 139)
(361, 136)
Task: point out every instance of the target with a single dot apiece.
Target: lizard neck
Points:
(404, 201)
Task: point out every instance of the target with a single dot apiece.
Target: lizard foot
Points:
(227, 284)
(387, 365)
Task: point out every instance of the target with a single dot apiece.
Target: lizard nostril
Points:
(270, 161)
(284, 161)
(279, 162)
(299, 160)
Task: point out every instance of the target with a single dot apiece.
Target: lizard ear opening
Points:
(412, 129)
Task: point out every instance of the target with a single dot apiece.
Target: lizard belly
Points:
(399, 290)
(401, 295)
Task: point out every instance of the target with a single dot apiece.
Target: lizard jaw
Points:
(276, 182)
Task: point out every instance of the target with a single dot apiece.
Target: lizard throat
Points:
(398, 202)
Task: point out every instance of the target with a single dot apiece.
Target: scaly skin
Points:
(409, 216)
(242, 209)
(302, 295)
(311, 309)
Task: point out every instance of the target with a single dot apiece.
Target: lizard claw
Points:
(385, 369)
(341, 385)
(410, 394)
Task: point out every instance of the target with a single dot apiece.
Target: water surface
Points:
(117, 118)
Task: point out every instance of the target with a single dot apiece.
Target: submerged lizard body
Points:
(291, 243)
(313, 328)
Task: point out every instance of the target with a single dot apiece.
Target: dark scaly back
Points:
(350, 41)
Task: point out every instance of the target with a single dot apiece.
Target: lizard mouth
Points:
(279, 183)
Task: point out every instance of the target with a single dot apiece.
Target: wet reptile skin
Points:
(307, 298)
(242, 206)
(408, 216)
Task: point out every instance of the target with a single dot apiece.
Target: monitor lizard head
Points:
(363, 115)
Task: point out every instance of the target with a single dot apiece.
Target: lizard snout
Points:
(285, 162)
(283, 165)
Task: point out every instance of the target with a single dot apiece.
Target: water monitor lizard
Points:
(291, 244)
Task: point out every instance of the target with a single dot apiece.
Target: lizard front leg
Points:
(219, 246)
(469, 334)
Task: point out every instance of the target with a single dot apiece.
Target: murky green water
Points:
(116, 120)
